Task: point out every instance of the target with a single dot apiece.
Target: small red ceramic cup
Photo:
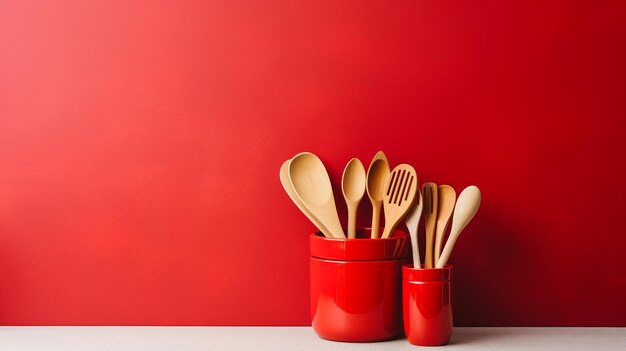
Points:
(427, 305)
(356, 286)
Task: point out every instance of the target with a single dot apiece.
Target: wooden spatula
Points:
(412, 221)
(400, 194)
(446, 197)
(429, 192)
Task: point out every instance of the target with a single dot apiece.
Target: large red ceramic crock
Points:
(356, 286)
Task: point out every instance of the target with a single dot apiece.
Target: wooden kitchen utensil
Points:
(429, 191)
(446, 197)
(377, 174)
(400, 194)
(412, 221)
(312, 186)
(466, 206)
(284, 180)
(353, 188)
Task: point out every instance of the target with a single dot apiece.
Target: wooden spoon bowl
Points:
(377, 175)
(311, 184)
(353, 188)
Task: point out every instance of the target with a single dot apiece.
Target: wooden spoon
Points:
(311, 184)
(412, 221)
(446, 197)
(429, 190)
(284, 180)
(399, 197)
(353, 188)
(377, 175)
(465, 209)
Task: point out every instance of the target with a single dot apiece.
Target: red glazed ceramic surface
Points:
(360, 249)
(427, 305)
(357, 298)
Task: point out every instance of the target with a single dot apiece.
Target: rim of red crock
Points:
(426, 275)
(321, 235)
(361, 249)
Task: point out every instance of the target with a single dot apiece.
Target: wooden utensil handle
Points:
(430, 239)
(438, 242)
(375, 220)
(387, 232)
(351, 223)
(447, 250)
(416, 257)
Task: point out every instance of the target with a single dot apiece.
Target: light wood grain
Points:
(429, 191)
(311, 184)
(446, 198)
(353, 188)
(399, 196)
(466, 207)
(412, 221)
(377, 174)
(284, 180)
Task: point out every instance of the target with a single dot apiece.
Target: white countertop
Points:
(293, 338)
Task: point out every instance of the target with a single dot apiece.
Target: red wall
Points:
(140, 144)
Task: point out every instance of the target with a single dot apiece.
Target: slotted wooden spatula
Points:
(446, 198)
(429, 192)
(399, 196)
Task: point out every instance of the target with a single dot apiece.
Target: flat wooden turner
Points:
(399, 196)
